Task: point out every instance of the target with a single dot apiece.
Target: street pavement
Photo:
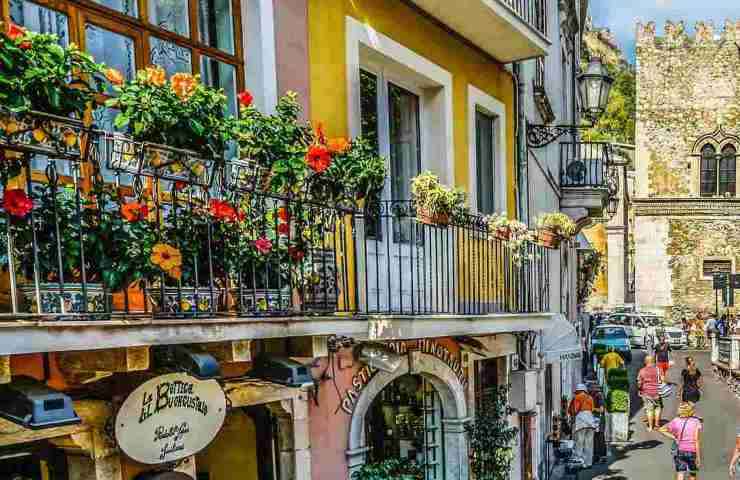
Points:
(648, 455)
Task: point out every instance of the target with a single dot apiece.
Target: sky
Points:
(620, 16)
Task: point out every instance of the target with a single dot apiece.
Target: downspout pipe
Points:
(520, 146)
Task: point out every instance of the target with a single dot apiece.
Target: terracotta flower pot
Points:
(548, 238)
(437, 219)
(503, 233)
(136, 299)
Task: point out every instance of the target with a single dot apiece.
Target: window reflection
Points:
(170, 15)
(127, 7)
(112, 49)
(216, 25)
(40, 19)
(173, 58)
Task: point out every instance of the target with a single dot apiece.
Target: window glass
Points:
(115, 50)
(727, 171)
(127, 7)
(708, 174)
(610, 332)
(220, 75)
(485, 162)
(215, 23)
(40, 19)
(369, 106)
(172, 15)
(173, 58)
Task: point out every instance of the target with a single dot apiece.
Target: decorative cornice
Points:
(687, 207)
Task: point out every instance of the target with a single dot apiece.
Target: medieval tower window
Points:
(717, 176)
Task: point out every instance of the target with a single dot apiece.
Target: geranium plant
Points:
(516, 234)
(180, 112)
(557, 222)
(436, 203)
(37, 73)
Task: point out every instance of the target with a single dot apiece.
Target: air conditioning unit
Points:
(523, 395)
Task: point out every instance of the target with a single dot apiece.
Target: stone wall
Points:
(686, 88)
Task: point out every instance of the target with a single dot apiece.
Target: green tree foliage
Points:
(491, 438)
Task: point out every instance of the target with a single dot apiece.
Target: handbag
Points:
(674, 445)
(665, 390)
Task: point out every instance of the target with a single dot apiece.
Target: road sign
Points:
(719, 281)
(735, 281)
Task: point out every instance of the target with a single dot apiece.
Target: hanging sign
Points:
(170, 418)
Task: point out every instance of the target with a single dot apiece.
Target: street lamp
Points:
(594, 86)
(593, 89)
(612, 206)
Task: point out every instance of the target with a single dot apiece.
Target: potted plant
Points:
(46, 90)
(436, 204)
(553, 227)
(177, 126)
(390, 469)
(272, 148)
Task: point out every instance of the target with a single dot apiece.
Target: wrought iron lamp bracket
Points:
(539, 136)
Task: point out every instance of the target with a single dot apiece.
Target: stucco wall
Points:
(327, 49)
(653, 274)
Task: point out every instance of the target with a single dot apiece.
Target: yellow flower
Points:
(154, 75)
(114, 76)
(39, 135)
(70, 138)
(183, 84)
(166, 257)
(11, 127)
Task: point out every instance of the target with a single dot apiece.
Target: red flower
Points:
(263, 245)
(17, 203)
(283, 214)
(318, 158)
(25, 45)
(296, 253)
(222, 210)
(133, 212)
(179, 185)
(14, 32)
(283, 229)
(245, 98)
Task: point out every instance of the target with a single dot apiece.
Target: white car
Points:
(645, 329)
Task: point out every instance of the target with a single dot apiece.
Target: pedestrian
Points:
(734, 467)
(722, 325)
(581, 414)
(663, 356)
(692, 385)
(596, 393)
(648, 381)
(611, 361)
(685, 431)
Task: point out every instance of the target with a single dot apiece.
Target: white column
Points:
(456, 449)
(615, 267)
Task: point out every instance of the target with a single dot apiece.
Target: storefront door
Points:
(35, 462)
(405, 421)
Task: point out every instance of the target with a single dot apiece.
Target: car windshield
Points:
(654, 321)
(610, 332)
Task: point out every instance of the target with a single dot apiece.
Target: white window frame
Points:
(258, 34)
(479, 101)
(370, 50)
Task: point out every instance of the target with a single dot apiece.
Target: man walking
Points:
(648, 380)
(581, 411)
(734, 468)
(663, 356)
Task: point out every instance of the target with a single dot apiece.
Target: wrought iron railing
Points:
(533, 12)
(408, 267)
(584, 164)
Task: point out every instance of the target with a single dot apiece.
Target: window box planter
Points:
(262, 301)
(548, 238)
(439, 219)
(159, 161)
(51, 298)
(43, 134)
(187, 301)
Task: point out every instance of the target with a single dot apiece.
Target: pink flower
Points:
(263, 245)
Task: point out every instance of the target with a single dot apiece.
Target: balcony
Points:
(585, 176)
(508, 30)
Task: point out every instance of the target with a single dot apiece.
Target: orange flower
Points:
(113, 76)
(166, 257)
(155, 76)
(283, 214)
(337, 146)
(133, 212)
(14, 32)
(175, 273)
(318, 158)
(183, 84)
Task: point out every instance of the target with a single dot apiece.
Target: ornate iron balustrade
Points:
(533, 12)
(584, 165)
(411, 268)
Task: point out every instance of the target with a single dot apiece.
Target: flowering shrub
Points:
(560, 223)
(181, 113)
(433, 197)
(517, 235)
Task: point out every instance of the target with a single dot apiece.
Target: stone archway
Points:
(454, 407)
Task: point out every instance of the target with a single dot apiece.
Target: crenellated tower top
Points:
(675, 36)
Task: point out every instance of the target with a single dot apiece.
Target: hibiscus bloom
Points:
(245, 98)
(283, 214)
(114, 76)
(263, 245)
(222, 210)
(318, 158)
(154, 75)
(166, 257)
(337, 145)
(17, 203)
(134, 211)
(183, 84)
(14, 32)
(283, 229)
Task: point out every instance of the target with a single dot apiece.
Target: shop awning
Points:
(560, 341)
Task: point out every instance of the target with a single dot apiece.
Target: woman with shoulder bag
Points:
(685, 431)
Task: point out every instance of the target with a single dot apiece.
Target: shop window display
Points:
(405, 421)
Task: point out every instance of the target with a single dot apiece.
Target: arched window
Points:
(727, 170)
(708, 178)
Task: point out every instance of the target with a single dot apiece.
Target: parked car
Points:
(616, 336)
(677, 338)
(645, 328)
